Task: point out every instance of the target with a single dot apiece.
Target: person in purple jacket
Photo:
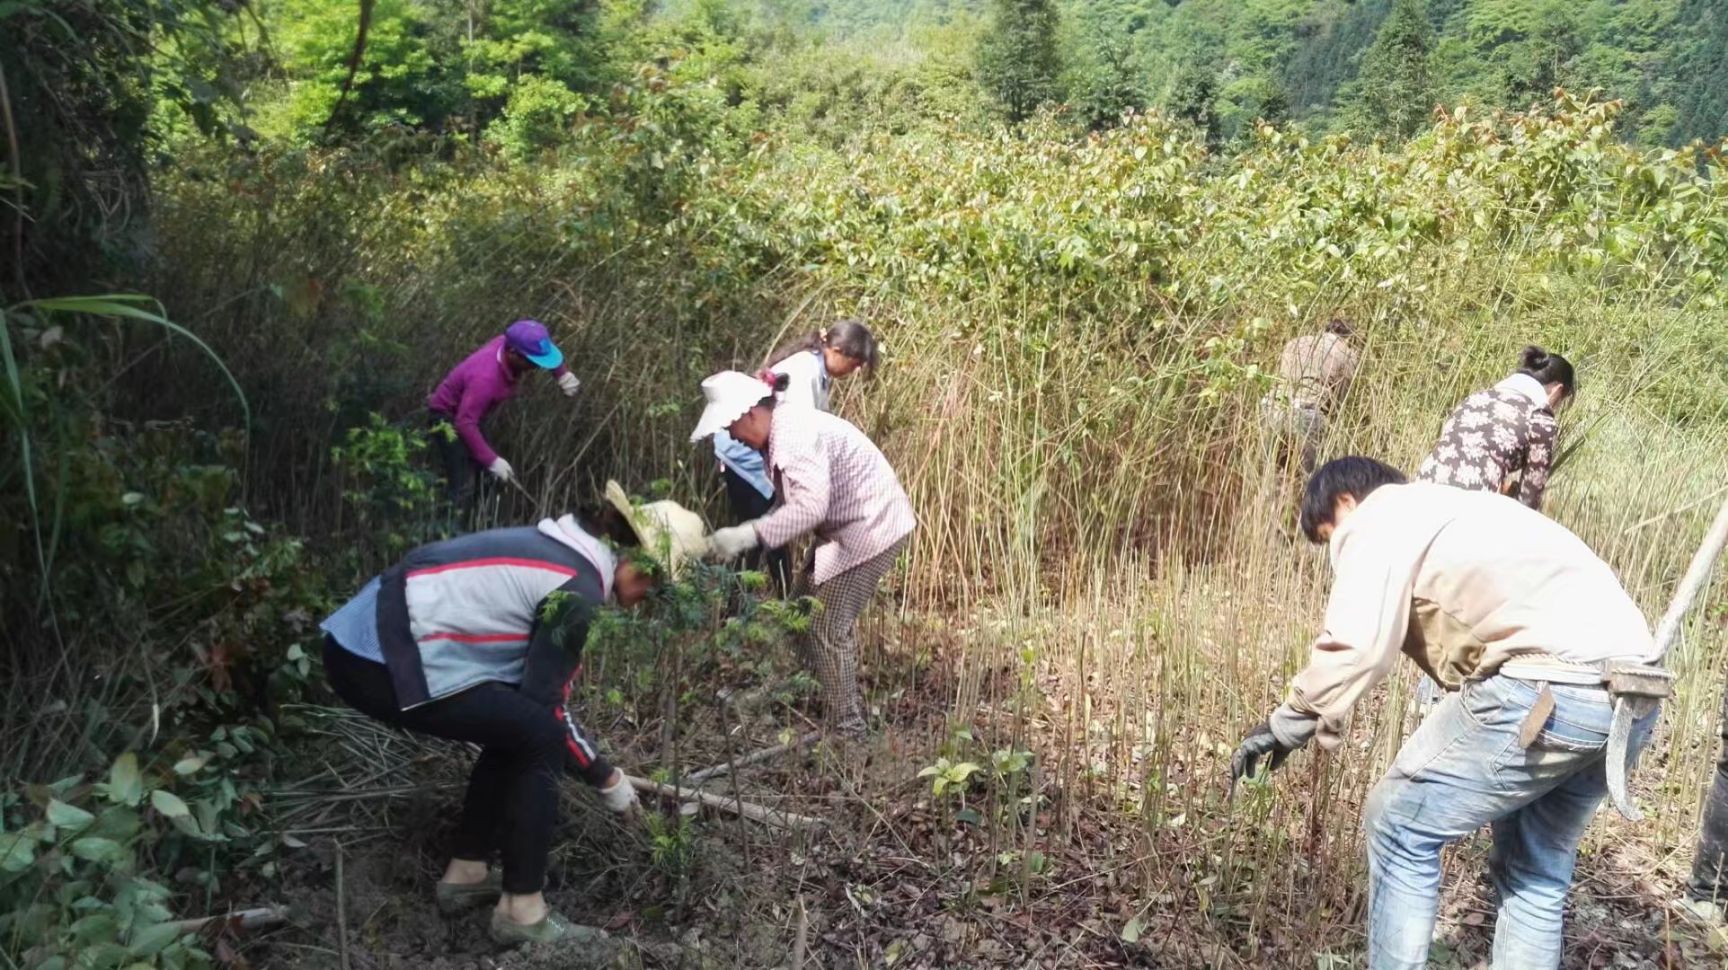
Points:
(474, 387)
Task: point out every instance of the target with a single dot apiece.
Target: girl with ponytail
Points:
(801, 373)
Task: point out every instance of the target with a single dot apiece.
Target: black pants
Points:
(512, 801)
(747, 504)
(1710, 865)
(462, 474)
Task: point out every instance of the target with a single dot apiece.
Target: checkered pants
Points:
(831, 647)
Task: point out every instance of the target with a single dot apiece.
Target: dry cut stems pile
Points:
(1110, 846)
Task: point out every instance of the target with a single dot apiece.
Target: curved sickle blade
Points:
(1619, 738)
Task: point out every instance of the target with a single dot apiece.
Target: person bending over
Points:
(478, 639)
(485, 379)
(1507, 430)
(1496, 599)
(831, 480)
(808, 368)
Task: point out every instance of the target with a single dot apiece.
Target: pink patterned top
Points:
(832, 480)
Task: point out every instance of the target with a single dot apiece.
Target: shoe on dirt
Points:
(552, 929)
(1705, 911)
(456, 897)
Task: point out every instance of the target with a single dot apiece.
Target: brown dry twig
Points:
(755, 757)
(256, 918)
(754, 812)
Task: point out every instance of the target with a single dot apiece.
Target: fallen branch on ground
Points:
(257, 918)
(755, 813)
(754, 757)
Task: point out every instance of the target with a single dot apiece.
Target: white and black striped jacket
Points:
(481, 607)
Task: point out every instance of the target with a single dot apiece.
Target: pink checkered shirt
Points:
(830, 479)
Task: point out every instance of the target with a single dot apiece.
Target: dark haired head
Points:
(1548, 369)
(1340, 326)
(850, 337)
(854, 339)
(1354, 476)
(607, 523)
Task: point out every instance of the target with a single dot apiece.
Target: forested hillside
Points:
(1327, 62)
(1317, 61)
(244, 240)
(1369, 67)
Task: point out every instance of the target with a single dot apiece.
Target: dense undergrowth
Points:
(1077, 299)
(1078, 328)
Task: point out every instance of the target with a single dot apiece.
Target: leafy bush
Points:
(185, 617)
(390, 491)
(705, 629)
(76, 857)
(536, 117)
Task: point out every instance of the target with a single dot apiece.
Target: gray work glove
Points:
(1259, 743)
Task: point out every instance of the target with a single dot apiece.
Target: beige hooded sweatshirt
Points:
(1461, 581)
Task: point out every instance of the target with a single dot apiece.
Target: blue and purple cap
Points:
(530, 339)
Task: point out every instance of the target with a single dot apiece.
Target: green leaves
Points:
(68, 817)
(151, 940)
(946, 775)
(190, 764)
(125, 785)
(168, 804)
(17, 851)
(100, 850)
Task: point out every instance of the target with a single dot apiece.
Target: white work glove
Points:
(568, 383)
(619, 795)
(501, 470)
(733, 541)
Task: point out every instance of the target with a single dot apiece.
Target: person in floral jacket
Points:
(1506, 430)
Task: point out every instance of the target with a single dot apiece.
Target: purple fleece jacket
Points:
(470, 391)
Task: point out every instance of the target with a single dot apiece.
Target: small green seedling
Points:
(946, 775)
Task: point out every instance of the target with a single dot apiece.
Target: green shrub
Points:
(536, 117)
(79, 859)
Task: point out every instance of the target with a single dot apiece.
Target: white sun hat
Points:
(729, 394)
(668, 531)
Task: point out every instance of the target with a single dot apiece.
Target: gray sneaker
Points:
(454, 898)
(552, 929)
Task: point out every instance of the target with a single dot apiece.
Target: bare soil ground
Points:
(1021, 873)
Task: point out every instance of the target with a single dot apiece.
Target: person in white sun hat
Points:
(478, 639)
(810, 366)
(829, 479)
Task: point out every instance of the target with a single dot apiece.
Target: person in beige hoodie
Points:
(1517, 616)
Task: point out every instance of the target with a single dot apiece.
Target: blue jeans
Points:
(1428, 692)
(1464, 768)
